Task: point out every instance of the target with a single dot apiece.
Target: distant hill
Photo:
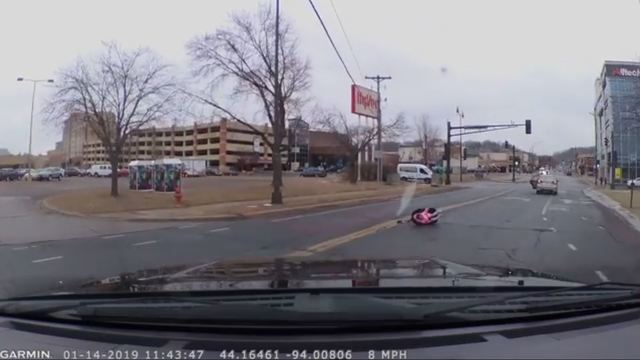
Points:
(4, 151)
(570, 154)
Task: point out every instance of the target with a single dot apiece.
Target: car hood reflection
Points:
(293, 273)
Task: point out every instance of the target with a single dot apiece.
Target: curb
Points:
(609, 203)
(44, 204)
(117, 216)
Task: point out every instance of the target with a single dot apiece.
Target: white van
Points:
(99, 170)
(415, 172)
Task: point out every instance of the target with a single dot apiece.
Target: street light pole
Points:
(378, 79)
(33, 100)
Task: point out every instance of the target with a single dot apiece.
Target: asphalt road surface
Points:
(489, 223)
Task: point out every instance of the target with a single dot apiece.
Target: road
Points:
(487, 223)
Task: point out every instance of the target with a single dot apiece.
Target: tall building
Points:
(75, 134)
(617, 121)
(298, 137)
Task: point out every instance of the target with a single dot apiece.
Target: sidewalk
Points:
(243, 209)
(617, 201)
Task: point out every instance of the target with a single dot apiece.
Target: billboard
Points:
(623, 70)
(364, 101)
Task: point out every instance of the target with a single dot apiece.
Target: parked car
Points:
(191, 172)
(123, 172)
(633, 182)
(213, 171)
(334, 169)
(100, 170)
(72, 171)
(55, 172)
(313, 172)
(230, 172)
(569, 173)
(41, 175)
(547, 183)
(9, 175)
(534, 181)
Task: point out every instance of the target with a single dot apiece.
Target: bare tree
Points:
(243, 55)
(356, 137)
(427, 135)
(120, 91)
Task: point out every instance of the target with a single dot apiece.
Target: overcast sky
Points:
(500, 61)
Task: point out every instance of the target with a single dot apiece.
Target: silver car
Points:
(547, 183)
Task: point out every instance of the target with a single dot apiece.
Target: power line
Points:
(331, 41)
(353, 53)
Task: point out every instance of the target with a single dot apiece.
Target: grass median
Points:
(623, 197)
(211, 195)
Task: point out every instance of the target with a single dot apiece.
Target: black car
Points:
(72, 171)
(9, 175)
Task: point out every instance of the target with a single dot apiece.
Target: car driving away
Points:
(534, 181)
(547, 184)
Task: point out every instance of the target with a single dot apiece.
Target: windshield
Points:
(378, 145)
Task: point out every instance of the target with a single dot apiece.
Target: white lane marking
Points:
(517, 198)
(601, 227)
(220, 229)
(477, 200)
(20, 248)
(583, 218)
(252, 206)
(113, 236)
(546, 206)
(572, 247)
(552, 229)
(602, 276)
(144, 243)
(47, 259)
(544, 218)
(567, 201)
(266, 204)
(287, 218)
(187, 226)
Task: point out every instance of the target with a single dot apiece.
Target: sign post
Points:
(366, 102)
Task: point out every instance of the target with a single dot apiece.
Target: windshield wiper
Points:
(445, 309)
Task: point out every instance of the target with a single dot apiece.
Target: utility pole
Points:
(378, 79)
(447, 154)
(460, 117)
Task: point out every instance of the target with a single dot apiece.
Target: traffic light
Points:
(506, 145)
(464, 154)
(527, 126)
(606, 142)
(446, 151)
